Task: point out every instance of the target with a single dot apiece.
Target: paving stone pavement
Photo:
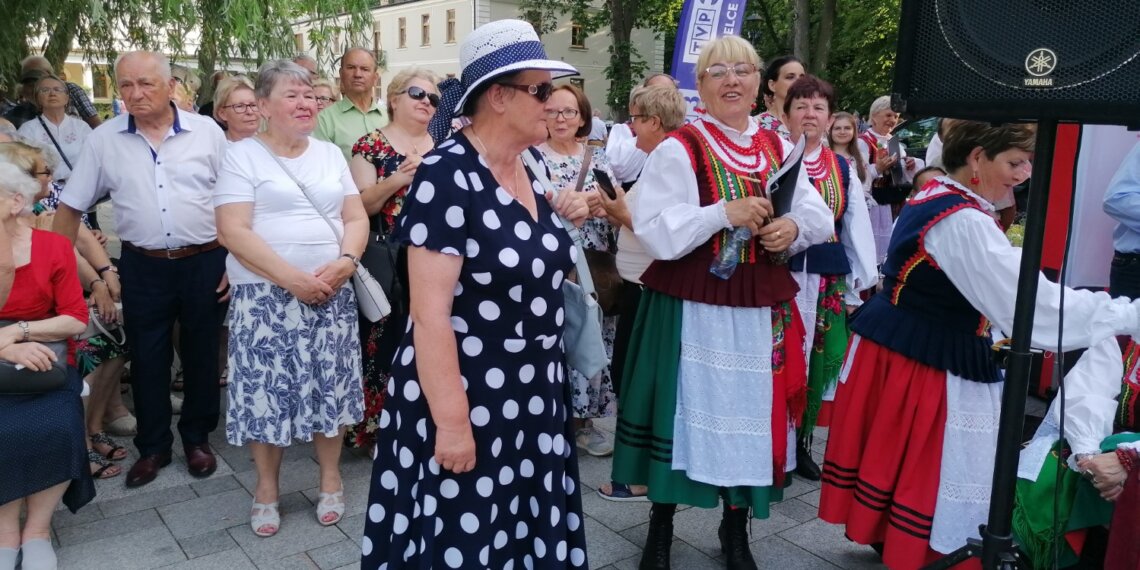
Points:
(185, 523)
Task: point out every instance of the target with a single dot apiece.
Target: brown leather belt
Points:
(176, 253)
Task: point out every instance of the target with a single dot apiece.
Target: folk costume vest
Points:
(758, 281)
(831, 176)
(919, 313)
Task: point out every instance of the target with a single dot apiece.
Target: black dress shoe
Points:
(659, 540)
(146, 469)
(200, 460)
(806, 467)
(733, 533)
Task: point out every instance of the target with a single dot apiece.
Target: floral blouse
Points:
(597, 233)
(377, 150)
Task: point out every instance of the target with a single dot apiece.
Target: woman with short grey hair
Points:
(294, 355)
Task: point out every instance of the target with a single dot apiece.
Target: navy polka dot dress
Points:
(520, 507)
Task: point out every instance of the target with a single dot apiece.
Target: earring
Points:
(975, 180)
(754, 105)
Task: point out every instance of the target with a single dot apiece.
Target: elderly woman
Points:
(830, 275)
(625, 158)
(235, 108)
(917, 408)
(873, 146)
(54, 128)
(780, 74)
(327, 93)
(567, 121)
(44, 458)
(474, 445)
(294, 358)
(383, 164)
(654, 113)
(714, 352)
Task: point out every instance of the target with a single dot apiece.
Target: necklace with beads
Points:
(824, 174)
(731, 150)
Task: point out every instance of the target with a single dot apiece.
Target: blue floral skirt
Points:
(294, 367)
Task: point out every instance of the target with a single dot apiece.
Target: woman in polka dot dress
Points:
(475, 465)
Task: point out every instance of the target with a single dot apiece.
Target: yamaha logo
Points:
(1039, 64)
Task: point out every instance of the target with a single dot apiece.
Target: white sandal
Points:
(263, 515)
(330, 503)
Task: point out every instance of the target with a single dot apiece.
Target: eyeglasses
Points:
(46, 90)
(323, 99)
(634, 117)
(418, 94)
(242, 107)
(720, 70)
(567, 114)
(541, 91)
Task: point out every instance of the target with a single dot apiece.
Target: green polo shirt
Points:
(343, 124)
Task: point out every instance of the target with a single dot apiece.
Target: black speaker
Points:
(1007, 60)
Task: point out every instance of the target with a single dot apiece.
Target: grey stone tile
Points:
(827, 541)
(353, 527)
(336, 555)
(146, 498)
(238, 458)
(232, 559)
(355, 495)
(206, 514)
(215, 485)
(150, 548)
(295, 475)
(606, 546)
(593, 471)
(354, 466)
(796, 510)
(106, 528)
(698, 527)
(773, 552)
(299, 533)
(811, 498)
(171, 478)
(63, 518)
(617, 516)
(295, 562)
(800, 486)
(208, 544)
(681, 555)
(353, 566)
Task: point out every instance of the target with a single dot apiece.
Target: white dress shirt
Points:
(163, 197)
(669, 220)
(625, 158)
(69, 135)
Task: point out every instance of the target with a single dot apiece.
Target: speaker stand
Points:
(996, 548)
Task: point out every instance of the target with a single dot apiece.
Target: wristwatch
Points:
(105, 269)
(27, 330)
(355, 260)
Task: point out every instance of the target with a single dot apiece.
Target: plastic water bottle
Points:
(725, 263)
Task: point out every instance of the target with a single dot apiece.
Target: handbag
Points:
(95, 326)
(16, 380)
(381, 258)
(370, 297)
(602, 264)
(892, 187)
(582, 325)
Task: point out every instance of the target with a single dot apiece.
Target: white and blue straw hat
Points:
(501, 47)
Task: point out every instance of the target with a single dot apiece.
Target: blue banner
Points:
(701, 21)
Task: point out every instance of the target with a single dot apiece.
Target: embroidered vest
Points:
(833, 183)
(757, 282)
(919, 313)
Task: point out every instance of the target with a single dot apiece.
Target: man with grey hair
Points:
(358, 112)
(306, 61)
(173, 269)
(79, 104)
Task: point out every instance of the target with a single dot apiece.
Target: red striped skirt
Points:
(884, 454)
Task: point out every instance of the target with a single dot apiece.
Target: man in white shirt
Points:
(159, 166)
(597, 127)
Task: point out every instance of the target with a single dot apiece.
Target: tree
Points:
(226, 30)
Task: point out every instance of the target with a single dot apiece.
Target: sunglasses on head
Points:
(541, 91)
(418, 93)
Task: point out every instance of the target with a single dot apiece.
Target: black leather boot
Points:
(734, 540)
(655, 555)
(806, 467)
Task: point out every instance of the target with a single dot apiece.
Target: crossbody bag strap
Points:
(584, 278)
(586, 158)
(304, 190)
(53, 141)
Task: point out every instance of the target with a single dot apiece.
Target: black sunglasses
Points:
(418, 93)
(541, 91)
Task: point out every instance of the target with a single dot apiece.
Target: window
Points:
(402, 26)
(336, 42)
(376, 47)
(299, 42)
(100, 81)
(451, 26)
(425, 30)
(577, 36)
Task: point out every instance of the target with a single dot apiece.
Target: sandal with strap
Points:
(117, 452)
(264, 519)
(330, 503)
(621, 492)
(106, 469)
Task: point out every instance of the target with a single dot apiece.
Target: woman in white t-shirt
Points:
(654, 113)
(54, 129)
(294, 355)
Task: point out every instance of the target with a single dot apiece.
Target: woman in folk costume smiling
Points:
(830, 274)
(707, 409)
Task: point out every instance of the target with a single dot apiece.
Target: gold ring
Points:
(777, 234)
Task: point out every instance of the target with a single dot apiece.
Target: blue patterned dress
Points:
(520, 507)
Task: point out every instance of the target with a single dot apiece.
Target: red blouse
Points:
(48, 286)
